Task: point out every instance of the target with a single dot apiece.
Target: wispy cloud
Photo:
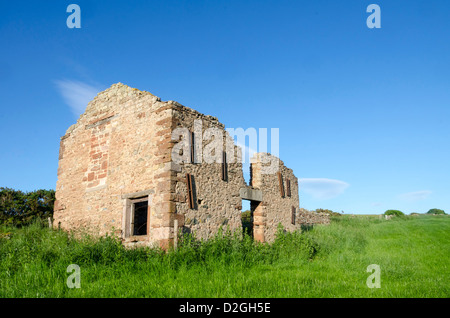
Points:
(77, 94)
(415, 196)
(322, 188)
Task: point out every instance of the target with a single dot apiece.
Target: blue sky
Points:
(363, 113)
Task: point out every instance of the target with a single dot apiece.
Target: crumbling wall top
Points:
(114, 98)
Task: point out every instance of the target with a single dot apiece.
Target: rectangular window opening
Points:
(140, 215)
(136, 218)
(192, 146)
(293, 216)
(190, 189)
(280, 182)
(224, 167)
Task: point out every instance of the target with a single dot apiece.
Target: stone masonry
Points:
(119, 173)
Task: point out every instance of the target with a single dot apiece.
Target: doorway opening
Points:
(247, 218)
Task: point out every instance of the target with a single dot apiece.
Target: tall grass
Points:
(325, 261)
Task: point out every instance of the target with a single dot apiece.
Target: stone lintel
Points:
(137, 194)
(251, 194)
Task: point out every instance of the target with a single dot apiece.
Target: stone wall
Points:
(130, 146)
(307, 217)
(216, 202)
(278, 203)
(119, 146)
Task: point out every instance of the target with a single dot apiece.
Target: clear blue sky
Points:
(363, 113)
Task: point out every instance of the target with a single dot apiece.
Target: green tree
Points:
(20, 208)
(436, 211)
(394, 212)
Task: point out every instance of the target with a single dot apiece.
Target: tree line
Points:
(21, 208)
(430, 211)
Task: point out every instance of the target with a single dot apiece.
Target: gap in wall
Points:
(247, 217)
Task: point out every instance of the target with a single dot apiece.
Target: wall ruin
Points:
(120, 158)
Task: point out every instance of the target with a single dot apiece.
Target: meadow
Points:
(413, 255)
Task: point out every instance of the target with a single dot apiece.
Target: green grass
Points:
(326, 261)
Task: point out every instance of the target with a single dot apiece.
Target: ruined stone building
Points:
(117, 174)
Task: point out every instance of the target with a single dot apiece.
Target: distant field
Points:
(413, 254)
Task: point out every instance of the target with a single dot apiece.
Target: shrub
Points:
(436, 211)
(394, 212)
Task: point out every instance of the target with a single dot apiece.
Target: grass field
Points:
(326, 261)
